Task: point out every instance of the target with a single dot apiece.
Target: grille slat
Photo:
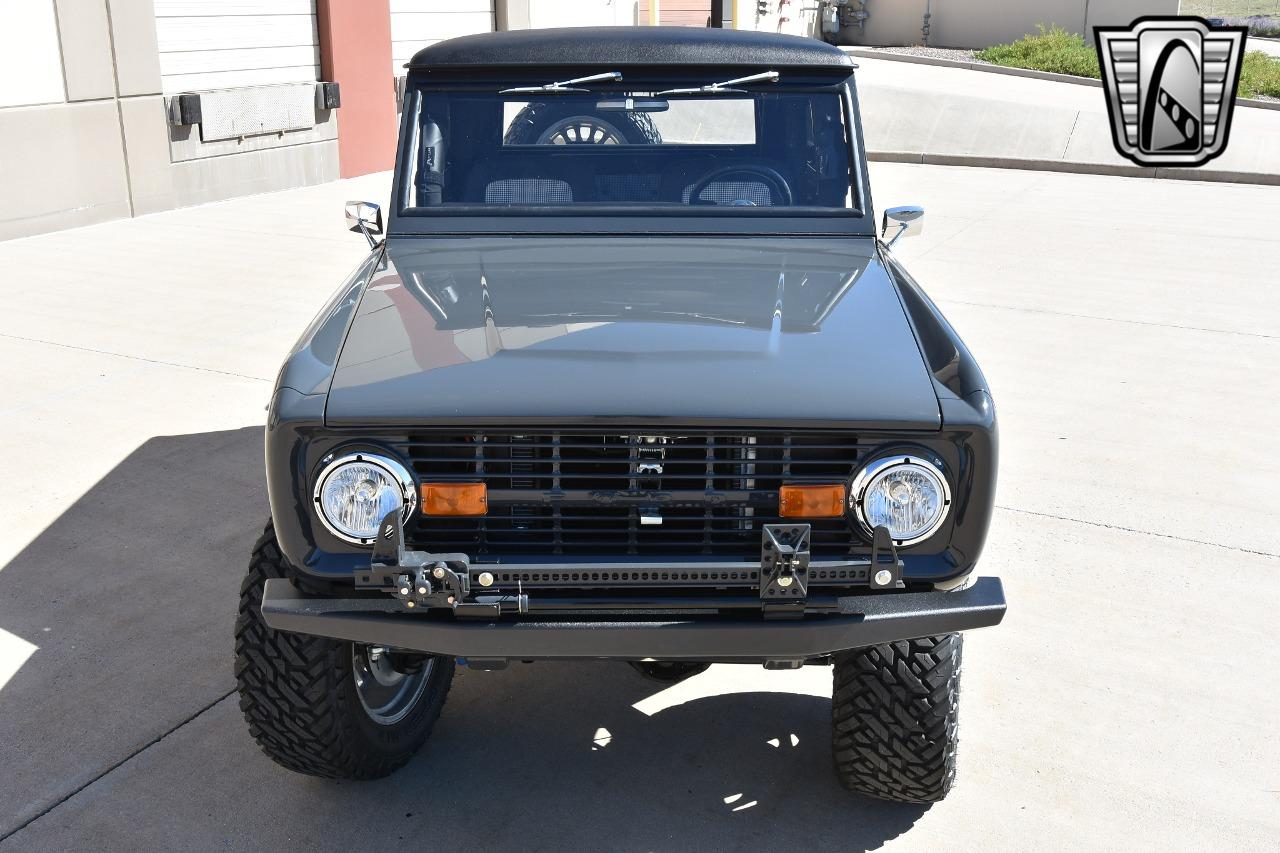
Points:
(581, 493)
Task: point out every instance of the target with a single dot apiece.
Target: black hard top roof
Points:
(622, 46)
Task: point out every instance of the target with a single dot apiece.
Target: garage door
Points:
(418, 23)
(222, 44)
(679, 13)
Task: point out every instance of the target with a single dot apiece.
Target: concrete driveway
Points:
(1130, 329)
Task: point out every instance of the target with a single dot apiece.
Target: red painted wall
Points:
(355, 52)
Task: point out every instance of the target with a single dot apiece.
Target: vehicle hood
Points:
(680, 330)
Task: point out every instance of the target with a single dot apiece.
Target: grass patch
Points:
(1054, 49)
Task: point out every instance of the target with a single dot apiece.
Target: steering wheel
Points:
(777, 183)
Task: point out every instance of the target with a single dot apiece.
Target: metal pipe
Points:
(924, 29)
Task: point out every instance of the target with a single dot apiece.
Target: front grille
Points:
(601, 494)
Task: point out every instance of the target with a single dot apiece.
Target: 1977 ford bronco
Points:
(632, 376)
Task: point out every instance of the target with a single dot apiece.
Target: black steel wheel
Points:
(388, 688)
(327, 707)
(894, 714)
(582, 130)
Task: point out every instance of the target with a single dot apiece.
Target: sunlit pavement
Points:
(1131, 333)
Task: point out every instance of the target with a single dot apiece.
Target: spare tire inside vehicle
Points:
(572, 124)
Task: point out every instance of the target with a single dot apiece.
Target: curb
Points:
(1074, 167)
(988, 68)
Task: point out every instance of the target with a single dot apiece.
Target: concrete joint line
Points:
(1071, 133)
(136, 358)
(1077, 316)
(124, 144)
(1138, 532)
(62, 54)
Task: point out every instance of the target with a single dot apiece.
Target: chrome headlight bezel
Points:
(876, 468)
(395, 470)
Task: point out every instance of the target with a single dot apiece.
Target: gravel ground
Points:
(933, 52)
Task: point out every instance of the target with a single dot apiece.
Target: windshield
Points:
(627, 148)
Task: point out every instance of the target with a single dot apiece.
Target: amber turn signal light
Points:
(825, 501)
(455, 498)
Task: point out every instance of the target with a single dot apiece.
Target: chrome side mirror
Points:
(365, 217)
(909, 222)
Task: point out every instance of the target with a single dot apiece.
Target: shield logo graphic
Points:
(1171, 86)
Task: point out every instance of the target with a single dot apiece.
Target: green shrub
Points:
(1259, 75)
(1054, 49)
(1061, 52)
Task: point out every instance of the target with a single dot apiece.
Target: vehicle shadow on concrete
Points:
(137, 585)
(128, 598)
(559, 755)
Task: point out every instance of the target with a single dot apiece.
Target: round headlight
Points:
(906, 494)
(354, 493)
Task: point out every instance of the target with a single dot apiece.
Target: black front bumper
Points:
(859, 620)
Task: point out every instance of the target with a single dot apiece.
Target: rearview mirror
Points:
(634, 105)
(909, 222)
(364, 217)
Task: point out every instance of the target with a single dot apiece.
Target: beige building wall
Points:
(84, 133)
(61, 153)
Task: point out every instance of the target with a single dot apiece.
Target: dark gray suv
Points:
(632, 376)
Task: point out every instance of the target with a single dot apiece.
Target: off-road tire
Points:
(299, 697)
(894, 711)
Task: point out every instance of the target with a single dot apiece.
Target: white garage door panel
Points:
(418, 23)
(232, 79)
(242, 59)
(217, 8)
(174, 34)
(403, 6)
(220, 44)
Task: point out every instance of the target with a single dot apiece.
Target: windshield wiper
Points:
(566, 85)
(726, 86)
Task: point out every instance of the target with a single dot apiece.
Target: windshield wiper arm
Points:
(566, 85)
(726, 86)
